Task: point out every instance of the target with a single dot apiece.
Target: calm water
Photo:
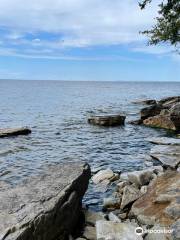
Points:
(57, 113)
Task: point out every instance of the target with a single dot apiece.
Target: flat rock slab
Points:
(167, 155)
(116, 231)
(160, 205)
(9, 132)
(45, 207)
(164, 141)
(107, 120)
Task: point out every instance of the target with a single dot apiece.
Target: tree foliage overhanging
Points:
(167, 27)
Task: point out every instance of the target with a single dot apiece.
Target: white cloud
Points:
(83, 21)
(55, 25)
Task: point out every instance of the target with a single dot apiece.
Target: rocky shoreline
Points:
(144, 204)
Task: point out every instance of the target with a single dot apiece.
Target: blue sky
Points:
(82, 40)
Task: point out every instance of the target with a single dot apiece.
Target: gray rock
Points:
(130, 194)
(140, 178)
(124, 176)
(116, 231)
(167, 155)
(48, 205)
(112, 217)
(143, 190)
(164, 141)
(145, 101)
(111, 202)
(157, 232)
(91, 217)
(9, 132)
(107, 120)
(102, 175)
(176, 230)
(150, 111)
(90, 233)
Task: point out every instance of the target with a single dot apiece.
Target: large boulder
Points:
(107, 120)
(130, 194)
(9, 132)
(44, 207)
(160, 205)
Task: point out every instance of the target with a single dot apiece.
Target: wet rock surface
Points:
(45, 207)
(10, 132)
(107, 120)
(164, 141)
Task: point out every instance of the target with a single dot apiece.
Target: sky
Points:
(95, 40)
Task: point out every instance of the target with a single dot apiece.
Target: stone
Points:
(152, 208)
(91, 217)
(10, 132)
(122, 216)
(111, 202)
(140, 178)
(165, 141)
(175, 109)
(121, 185)
(150, 111)
(107, 120)
(169, 156)
(176, 230)
(143, 189)
(48, 205)
(124, 176)
(90, 233)
(161, 121)
(102, 175)
(130, 194)
(108, 230)
(112, 217)
(166, 100)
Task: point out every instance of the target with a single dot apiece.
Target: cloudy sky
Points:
(81, 40)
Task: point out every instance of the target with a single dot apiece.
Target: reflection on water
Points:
(57, 113)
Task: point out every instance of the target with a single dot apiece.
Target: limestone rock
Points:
(130, 194)
(48, 205)
(164, 141)
(116, 231)
(150, 211)
(167, 155)
(90, 233)
(140, 178)
(161, 121)
(150, 111)
(102, 175)
(9, 132)
(107, 120)
(91, 217)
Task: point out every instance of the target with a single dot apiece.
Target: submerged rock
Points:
(144, 101)
(107, 120)
(151, 209)
(116, 231)
(48, 205)
(9, 132)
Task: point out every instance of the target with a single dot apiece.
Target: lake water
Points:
(57, 113)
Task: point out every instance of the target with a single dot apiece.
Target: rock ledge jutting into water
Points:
(8, 132)
(45, 207)
(107, 120)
